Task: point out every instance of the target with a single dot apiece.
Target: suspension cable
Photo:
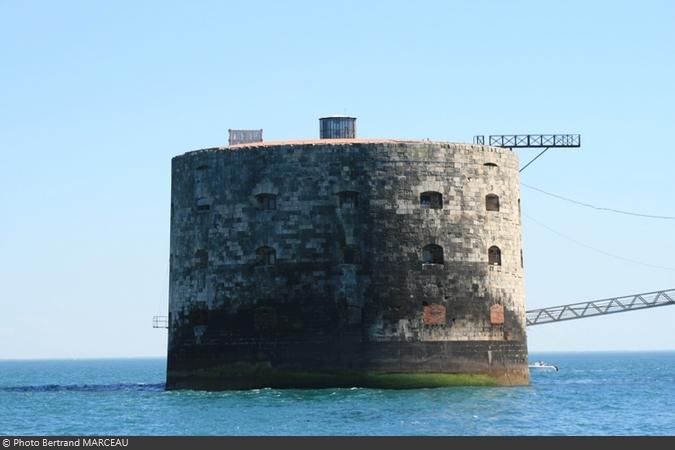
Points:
(600, 208)
(611, 255)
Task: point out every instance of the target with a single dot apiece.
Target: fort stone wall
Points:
(346, 263)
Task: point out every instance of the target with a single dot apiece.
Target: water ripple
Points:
(136, 387)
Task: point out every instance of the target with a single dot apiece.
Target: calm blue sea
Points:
(593, 393)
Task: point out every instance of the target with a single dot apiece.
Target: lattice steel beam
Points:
(600, 307)
(531, 140)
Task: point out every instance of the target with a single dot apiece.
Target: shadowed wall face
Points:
(339, 263)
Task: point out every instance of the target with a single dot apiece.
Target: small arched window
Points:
(490, 164)
(265, 256)
(432, 254)
(492, 202)
(431, 200)
(203, 205)
(201, 258)
(266, 201)
(494, 256)
(348, 199)
(350, 255)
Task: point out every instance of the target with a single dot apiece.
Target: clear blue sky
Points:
(96, 97)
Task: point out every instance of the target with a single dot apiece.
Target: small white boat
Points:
(542, 365)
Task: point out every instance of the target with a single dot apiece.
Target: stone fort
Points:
(342, 262)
